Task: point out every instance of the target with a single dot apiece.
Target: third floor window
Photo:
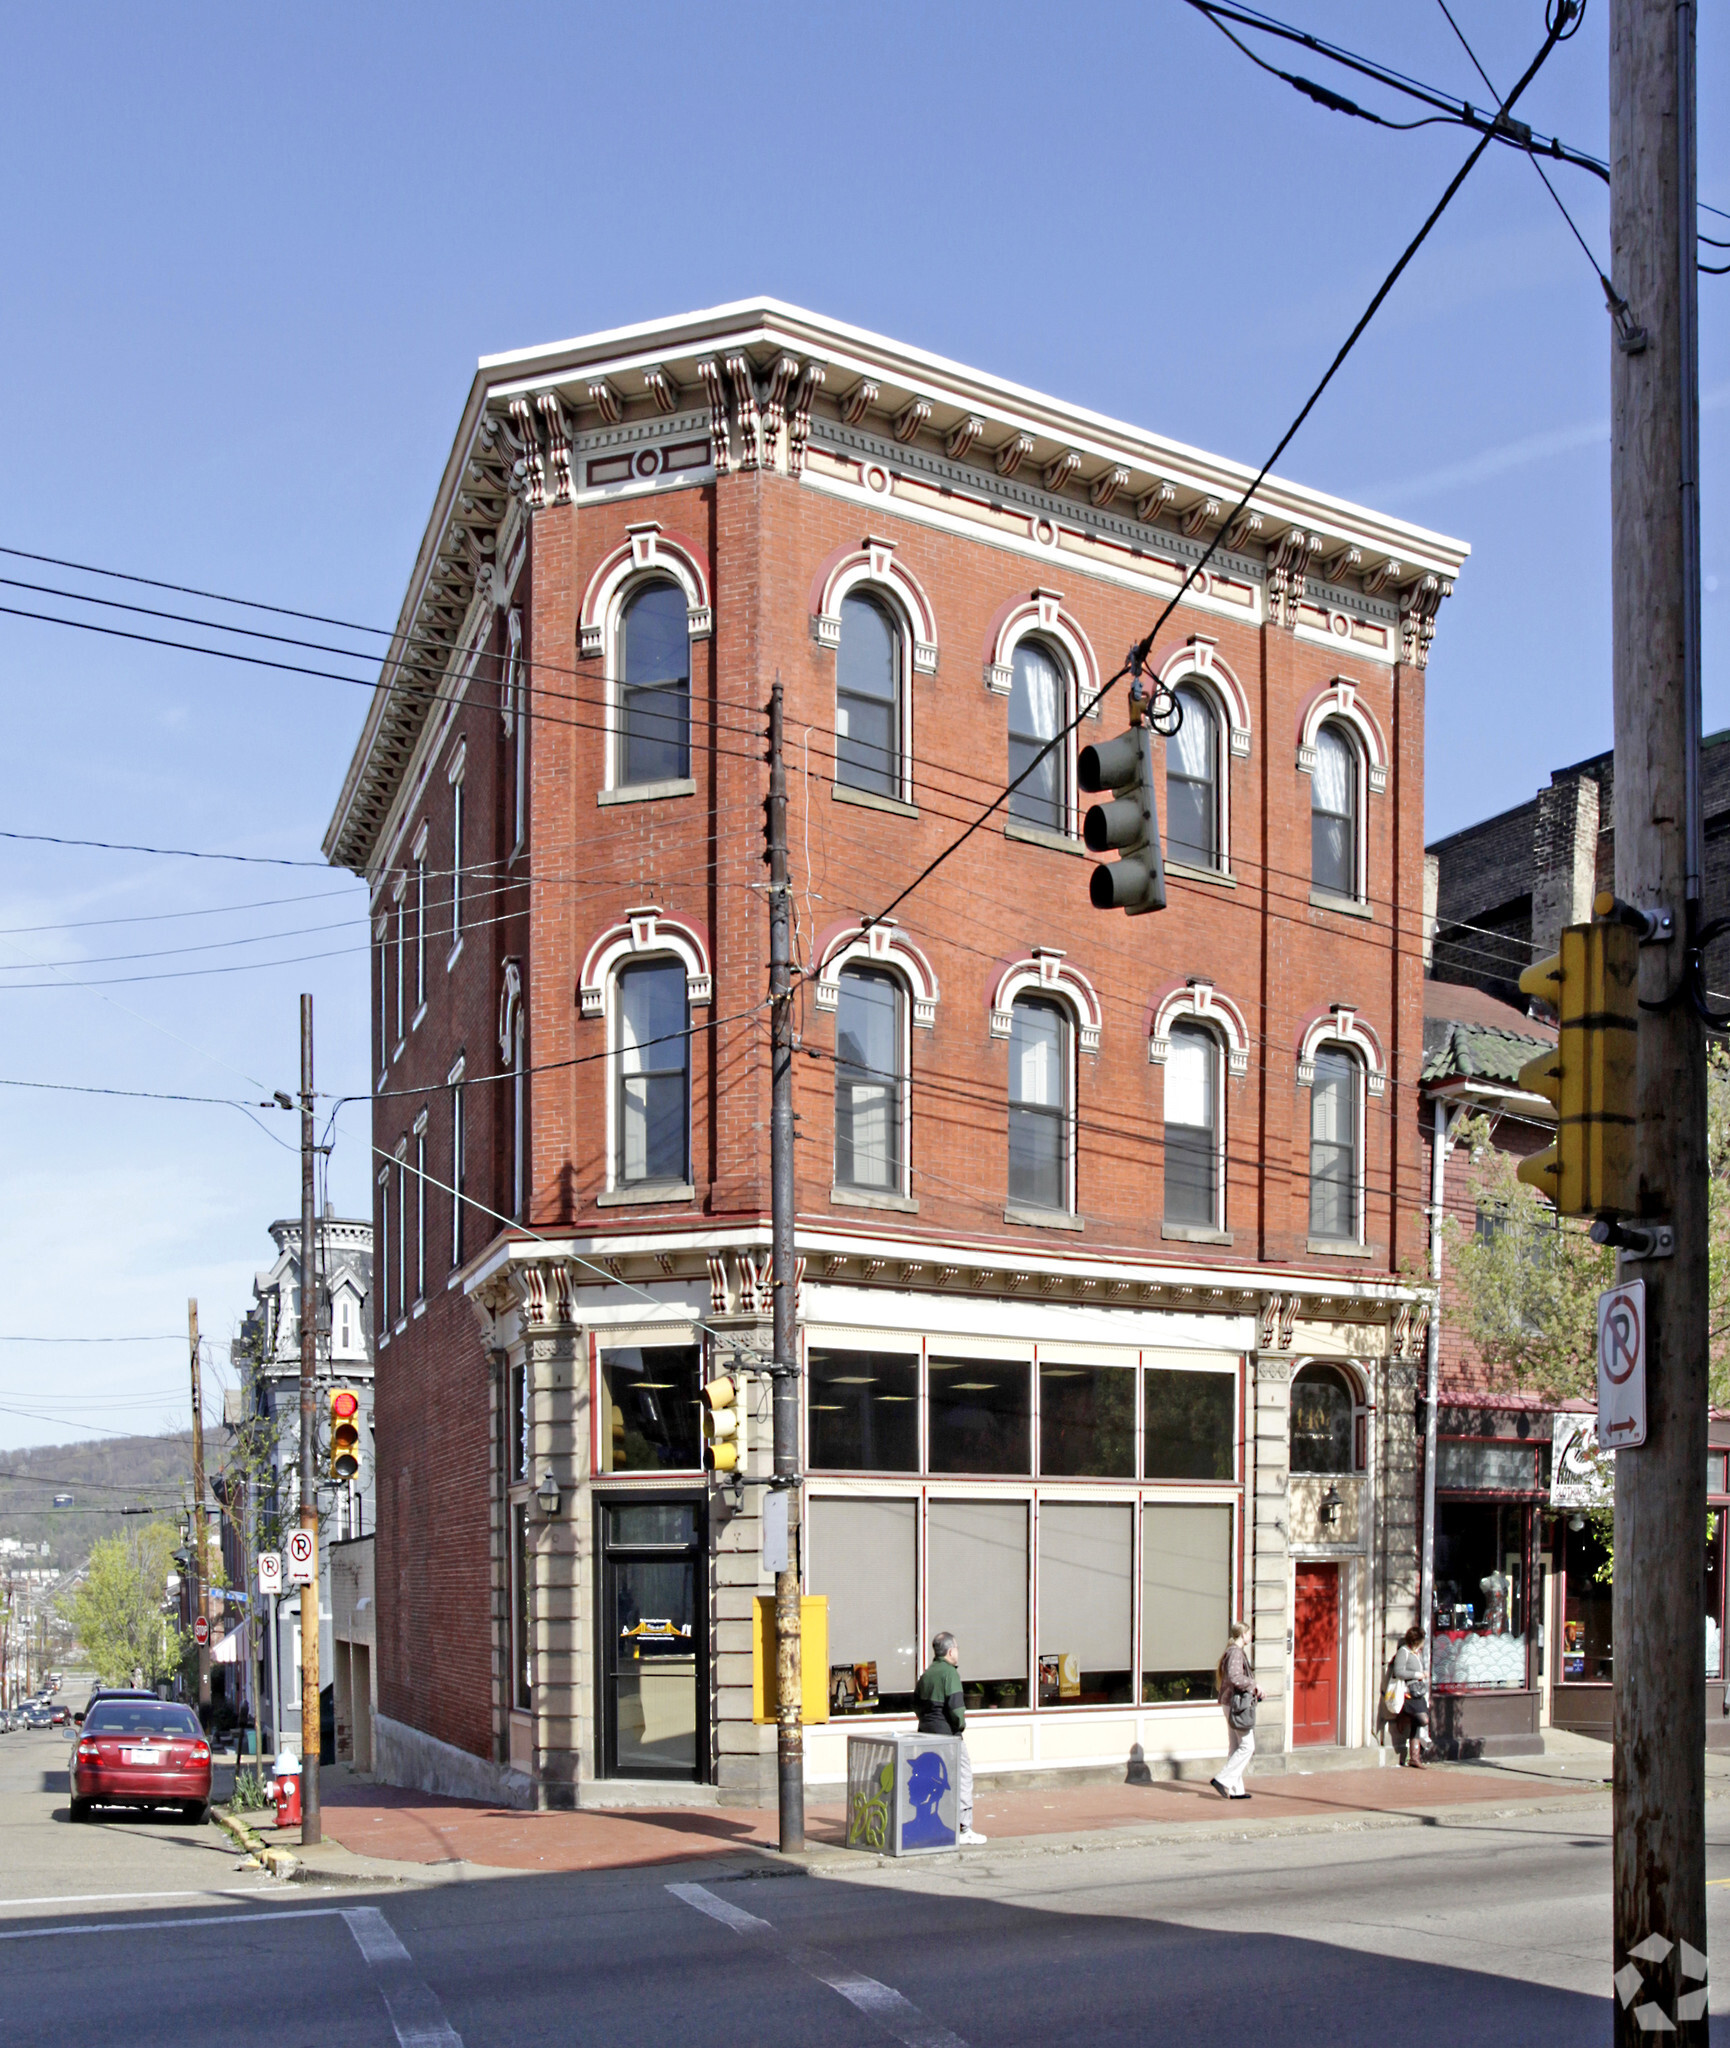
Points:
(655, 688)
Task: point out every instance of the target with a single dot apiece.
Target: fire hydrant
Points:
(285, 1790)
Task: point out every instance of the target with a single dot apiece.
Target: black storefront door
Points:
(654, 1637)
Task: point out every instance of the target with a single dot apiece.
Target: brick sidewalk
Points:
(418, 1827)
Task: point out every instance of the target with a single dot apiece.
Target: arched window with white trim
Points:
(654, 743)
(1336, 1146)
(870, 1081)
(1193, 1127)
(1326, 1421)
(869, 698)
(1041, 1097)
(1038, 712)
(652, 1108)
(1334, 811)
(1192, 808)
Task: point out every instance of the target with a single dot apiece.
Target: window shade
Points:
(977, 1584)
(1185, 1587)
(1084, 1583)
(862, 1558)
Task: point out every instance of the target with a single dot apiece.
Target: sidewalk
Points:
(379, 1831)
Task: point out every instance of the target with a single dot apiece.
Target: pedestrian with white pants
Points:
(1238, 1694)
(943, 1711)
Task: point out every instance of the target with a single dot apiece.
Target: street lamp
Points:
(1328, 1507)
(547, 1493)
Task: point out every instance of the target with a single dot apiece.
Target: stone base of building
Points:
(1465, 1726)
(420, 1762)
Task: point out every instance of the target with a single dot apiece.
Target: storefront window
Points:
(1186, 1603)
(1322, 1411)
(1587, 1644)
(873, 1634)
(1480, 1614)
(649, 1416)
(1087, 1424)
(1715, 1594)
(863, 1409)
(1085, 1602)
(1189, 1425)
(977, 1587)
(981, 1418)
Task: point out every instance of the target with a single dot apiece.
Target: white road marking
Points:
(415, 2012)
(253, 1891)
(880, 2002)
(150, 1926)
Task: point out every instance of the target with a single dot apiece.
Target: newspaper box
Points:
(902, 1793)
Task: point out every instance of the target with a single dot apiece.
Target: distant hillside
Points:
(102, 1478)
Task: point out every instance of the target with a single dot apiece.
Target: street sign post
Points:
(1622, 1366)
(270, 1571)
(302, 1558)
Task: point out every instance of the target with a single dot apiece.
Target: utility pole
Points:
(200, 1534)
(311, 1821)
(789, 1732)
(1660, 1731)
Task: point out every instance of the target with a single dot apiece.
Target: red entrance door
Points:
(1316, 1655)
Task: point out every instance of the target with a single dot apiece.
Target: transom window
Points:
(1037, 694)
(1334, 813)
(1323, 1421)
(1039, 1104)
(868, 699)
(1334, 1145)
(1192, 1126)
(652, 1136)
(868, 1080)
(655, 687)
(1192, 784)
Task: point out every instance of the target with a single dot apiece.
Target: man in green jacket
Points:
(943, 1711)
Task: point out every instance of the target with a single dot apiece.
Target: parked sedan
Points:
(141, 1752)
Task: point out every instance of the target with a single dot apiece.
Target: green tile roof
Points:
(1477, 1052)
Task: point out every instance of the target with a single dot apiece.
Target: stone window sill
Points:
(647, 792)
(843, 794)
(870, 1198)
(1194, 1233)
(1338, 1248)
(1041, 835)
(648, 1191)
(1346, 906)
(1043, 1219)
(1215, 878)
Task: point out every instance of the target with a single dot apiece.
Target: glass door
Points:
(654, 1638)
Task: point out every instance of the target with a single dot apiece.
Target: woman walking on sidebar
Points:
(1238, 1693)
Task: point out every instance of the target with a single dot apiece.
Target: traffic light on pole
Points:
(723, 1410)
(1593, 986)
(344, 1433)
(1128, 825)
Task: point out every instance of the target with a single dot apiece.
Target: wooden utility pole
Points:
(311, 1821)
(200, 1534)
(789, 1729)
(1660, 1731)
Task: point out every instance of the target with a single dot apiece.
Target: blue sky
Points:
(249, 264)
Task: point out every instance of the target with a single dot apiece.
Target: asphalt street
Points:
(1482, 1927)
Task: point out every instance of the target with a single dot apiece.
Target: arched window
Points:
(651, 1134)
(1192, 1136)
(1192, 784)
(1334, 1145)
(868, 699)
(1038, 694)
(1039, 1099)
(1323, 1421)
(655, 687)
(1334, 813)
(869, 1080)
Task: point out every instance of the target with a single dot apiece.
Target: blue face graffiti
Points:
(927, 1787)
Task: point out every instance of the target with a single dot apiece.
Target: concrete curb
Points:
(278, 1862)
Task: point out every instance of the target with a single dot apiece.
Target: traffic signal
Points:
(344, 1433)
(1593, 986)
(1129, 824)
(723, 1412)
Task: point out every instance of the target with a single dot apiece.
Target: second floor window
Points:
(1036, 708)
(1039, 1105)
(1192, 785)
(1192, 1126)
(1334, 1146)
(655, 687)
(868, 699)
(868, 1084)
(654, 1084)
(1334, 814)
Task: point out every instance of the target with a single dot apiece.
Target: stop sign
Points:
(201, 1631)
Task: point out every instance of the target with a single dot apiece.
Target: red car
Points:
(141, 1752)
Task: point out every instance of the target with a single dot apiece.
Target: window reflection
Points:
(980, 1416)
(1087, 1421)
(863, 1409)
(1189, 1424)
(649, 1421)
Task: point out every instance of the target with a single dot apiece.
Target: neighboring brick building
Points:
(1106, 1225)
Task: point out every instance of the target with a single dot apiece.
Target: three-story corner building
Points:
(1105, 1225)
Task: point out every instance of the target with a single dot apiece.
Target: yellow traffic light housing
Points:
(344, 1433)
(1593, 986)
(723, 1413)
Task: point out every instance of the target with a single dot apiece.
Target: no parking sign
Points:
(1622, 1366)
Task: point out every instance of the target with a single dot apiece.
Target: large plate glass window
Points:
(1189, 1424)
(1186, 1602)
(980, 1416)
(868, 699)
(1086, 1600)
(1086, 1421)
(1036, 707)
(654, 1102)
(1192, 784)
(1479, 1626)
(1039, 1104)
(1334, 1146)
(976, 1587)
(862, 1410)
(649, 1408)
(868, 1040)
(1192, 1126)
(1334, 814)
(655, 691)
(862, 1558)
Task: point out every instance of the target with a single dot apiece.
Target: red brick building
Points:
(1108, 1226)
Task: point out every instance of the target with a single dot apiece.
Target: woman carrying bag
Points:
(1407, 1699)
(1238, 1693)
